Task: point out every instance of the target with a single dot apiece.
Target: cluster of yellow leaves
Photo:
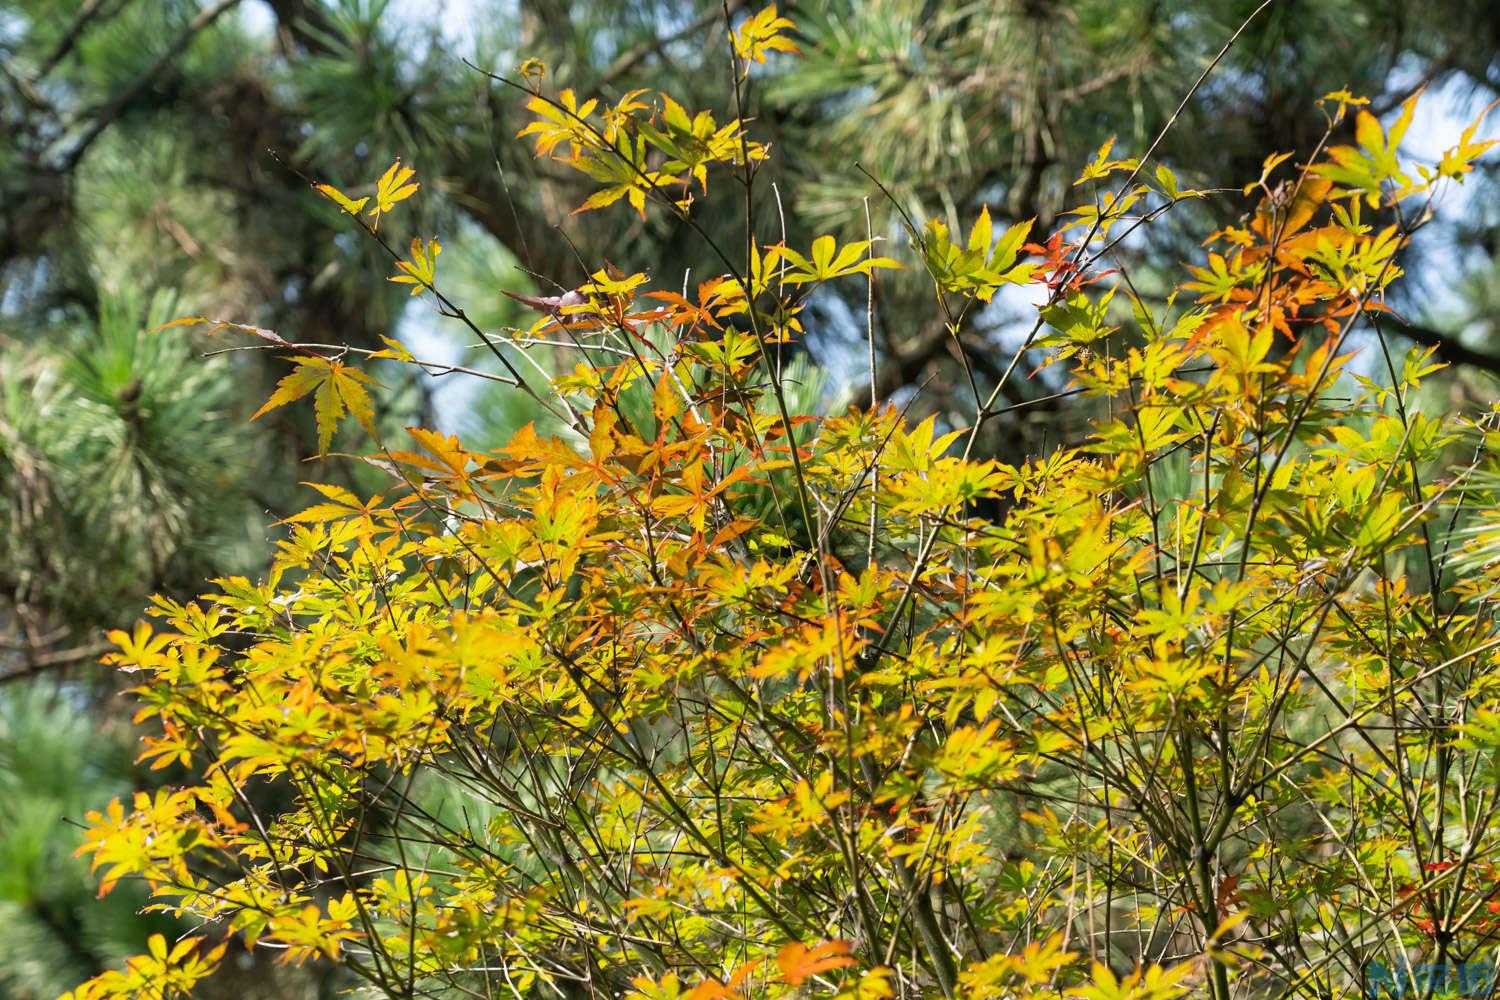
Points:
(161, 972)
(673, 694)
(637, 149)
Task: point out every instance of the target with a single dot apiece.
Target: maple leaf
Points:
(137, 649)
(533, 71)
(394, 349)
(828, 261)
(1458, 161)
(337, 389)
(762, 33)
(394, 185)
(1102, 165)
(421, 271)
(559, 122)
(343, 201)
(713, 989)
(343, 505)
(799, 962)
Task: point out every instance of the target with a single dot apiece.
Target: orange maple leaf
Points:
(798, 962)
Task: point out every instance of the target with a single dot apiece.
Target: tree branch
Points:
(627, 61)
(1449, 348)
(87, 13)
(108, 113)
(37, 663)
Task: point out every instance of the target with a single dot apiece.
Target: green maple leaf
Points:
(337, 390)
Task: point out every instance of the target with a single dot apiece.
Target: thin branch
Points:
(628, 61)
(37, 663)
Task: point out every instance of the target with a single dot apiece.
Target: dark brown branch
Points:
(628, 61)
(1449, 347)
(1129, 67)
(36, 663)
(90, 10)
(302, 24)
(106, 114)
